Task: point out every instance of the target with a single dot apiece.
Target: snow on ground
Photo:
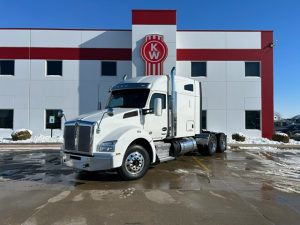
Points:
(59, 139)
(260, 140)
(35, 139)
(282, 166)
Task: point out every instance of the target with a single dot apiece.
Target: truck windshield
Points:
(136, 98)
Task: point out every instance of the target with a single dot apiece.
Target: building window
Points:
(253, 119)
(52, 119)
(7, 67)
(199, 69)
(6, 118)
(108, 68)
(204, 119)
(157, 95)
(54, 68)
(252, 69)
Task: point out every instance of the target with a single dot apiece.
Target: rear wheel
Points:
(211, 148)
(222, 143)
(135, 163)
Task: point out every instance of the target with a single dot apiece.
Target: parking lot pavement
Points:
(225, 189)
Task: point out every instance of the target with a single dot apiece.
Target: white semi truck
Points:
(147, 120)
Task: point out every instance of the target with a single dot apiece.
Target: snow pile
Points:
(282, 134)
(21, 130)
(35, 139)
(241, 134)
(238, 137)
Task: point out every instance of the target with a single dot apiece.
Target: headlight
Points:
(108, 146)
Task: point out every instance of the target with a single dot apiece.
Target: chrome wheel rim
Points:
(222, 142)
(134, 162)
(213, 146)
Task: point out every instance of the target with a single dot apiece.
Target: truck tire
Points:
(222, 143)
(135, 163)
(211, 147)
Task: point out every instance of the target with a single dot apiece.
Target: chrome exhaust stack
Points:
(173, 107)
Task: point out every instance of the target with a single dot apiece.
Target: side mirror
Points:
(61, 114)
(110, 111)
(157, 107)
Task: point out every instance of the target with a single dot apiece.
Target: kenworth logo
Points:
(154, 52)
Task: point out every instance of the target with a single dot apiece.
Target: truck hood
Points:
(110, 127)
(96, 116)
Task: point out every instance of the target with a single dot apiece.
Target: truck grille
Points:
(79, 137)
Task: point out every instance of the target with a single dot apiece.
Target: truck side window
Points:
(157, 95)
(117, 102)
(189, 87)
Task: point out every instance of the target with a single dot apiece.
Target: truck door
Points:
(157, 125)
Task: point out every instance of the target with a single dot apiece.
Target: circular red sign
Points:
(154, 51)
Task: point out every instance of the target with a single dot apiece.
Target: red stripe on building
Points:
(14, 53)
(218, 54)
(65, 53)
(267, 85)
(154, 17)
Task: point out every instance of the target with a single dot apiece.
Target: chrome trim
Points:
(76, 136)
(80, 122)
(173, 104)
(77, 124)
(77, 153)
(92, 139)
(134, 162)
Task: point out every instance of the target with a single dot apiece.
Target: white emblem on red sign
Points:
(154, 52)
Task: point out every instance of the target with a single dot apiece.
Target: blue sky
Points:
(281, 16)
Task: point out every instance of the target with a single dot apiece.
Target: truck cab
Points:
(147, 120)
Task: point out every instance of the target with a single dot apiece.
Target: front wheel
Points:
(135, 163)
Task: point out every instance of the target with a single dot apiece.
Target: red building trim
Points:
(223, 30)
(153, 17)
(14, 52)
(65, 53)
(66, 29)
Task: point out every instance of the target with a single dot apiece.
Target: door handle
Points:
(164, 129)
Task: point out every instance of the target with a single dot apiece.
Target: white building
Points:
(51, 69)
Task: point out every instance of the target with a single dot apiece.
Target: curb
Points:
(281, 146)
(30, 146)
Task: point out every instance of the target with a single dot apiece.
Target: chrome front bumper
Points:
(89, 163)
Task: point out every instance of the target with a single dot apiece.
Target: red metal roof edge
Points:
(225, 31)
(75, 29)
(91, 29)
